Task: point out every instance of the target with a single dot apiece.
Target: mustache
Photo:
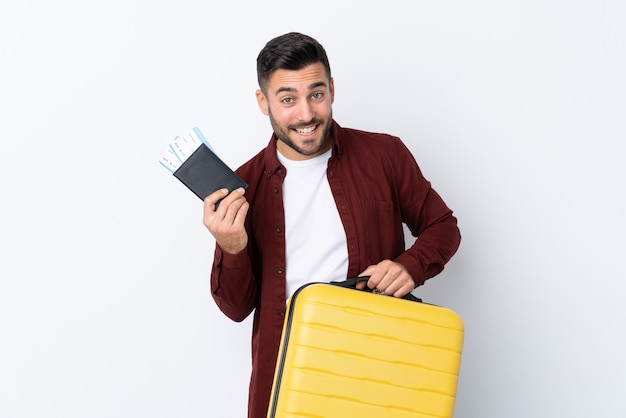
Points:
(313, 121)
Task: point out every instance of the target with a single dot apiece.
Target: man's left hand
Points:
(389, 278)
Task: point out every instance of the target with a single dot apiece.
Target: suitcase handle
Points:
(352, 282)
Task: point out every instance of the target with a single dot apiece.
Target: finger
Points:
(377, 275)
(360, 285)
(213, 198)
(393, 280)
(228, 213)
(233, 204)
(232, 197)
(394, 288)
(210, 201)
(215, 215)
(241, 214)
(369, 271)
(380, 281)
(401, 286)
(223, 199)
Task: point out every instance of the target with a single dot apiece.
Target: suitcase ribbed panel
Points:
(348, 353)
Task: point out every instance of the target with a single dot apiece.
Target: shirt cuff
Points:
(234, 261)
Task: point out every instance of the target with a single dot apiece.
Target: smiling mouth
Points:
(306, 130)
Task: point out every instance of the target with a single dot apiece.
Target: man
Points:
(324, 203)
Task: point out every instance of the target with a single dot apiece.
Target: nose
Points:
(305, 111)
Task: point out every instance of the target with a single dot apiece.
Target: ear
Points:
(262, 102)
(332, 90)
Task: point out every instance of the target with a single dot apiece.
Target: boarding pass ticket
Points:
(181, 148)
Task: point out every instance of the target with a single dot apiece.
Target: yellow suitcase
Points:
(351, 353)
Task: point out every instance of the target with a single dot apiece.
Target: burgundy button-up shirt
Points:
(377, 186)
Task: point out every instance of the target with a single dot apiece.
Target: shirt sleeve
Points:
(232, 284)
(428, 218)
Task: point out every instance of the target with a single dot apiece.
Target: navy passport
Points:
(203, 172)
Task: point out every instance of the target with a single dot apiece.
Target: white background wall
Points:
(514, 110)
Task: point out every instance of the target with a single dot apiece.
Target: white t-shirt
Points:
(316, 241)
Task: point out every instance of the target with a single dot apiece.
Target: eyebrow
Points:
(292, 90)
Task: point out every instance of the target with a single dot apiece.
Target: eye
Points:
(287, 100)
(317, 95)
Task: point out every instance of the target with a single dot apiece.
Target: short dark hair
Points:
(291, 51)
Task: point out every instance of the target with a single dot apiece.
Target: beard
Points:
(310, 147)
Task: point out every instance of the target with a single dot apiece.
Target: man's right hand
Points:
(227, 222)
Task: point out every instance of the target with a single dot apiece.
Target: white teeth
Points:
(306, 131)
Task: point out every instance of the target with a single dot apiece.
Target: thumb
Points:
(367, 272)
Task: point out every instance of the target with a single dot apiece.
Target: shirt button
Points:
(279, 230)
(276, 190)
(281, 313)
(280, 270)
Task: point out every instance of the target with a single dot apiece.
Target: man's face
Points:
(299, 105)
